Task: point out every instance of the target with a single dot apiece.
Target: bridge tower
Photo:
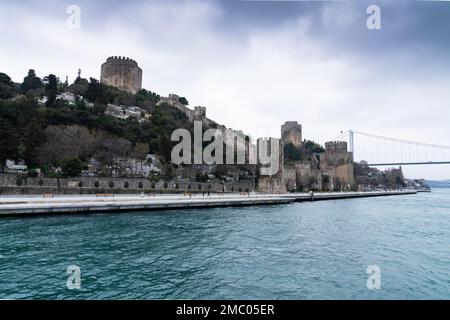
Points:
(352, 142)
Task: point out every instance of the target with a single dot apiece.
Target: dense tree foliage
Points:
(80, 86)
(9, 147)
(51, 89)
(31, 82)
(72, 167)
(292, 153)
(52, 134)
(183, 100)
(59, 134)
(7, 87)
(146, 99)
(304, 152)
(95, 92)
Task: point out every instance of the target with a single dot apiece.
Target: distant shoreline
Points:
(439, 184)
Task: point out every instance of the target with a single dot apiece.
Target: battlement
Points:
(173, 97)
(200, 110)
(199, 113)
(290, 125)
(119, 59)
(336, 146)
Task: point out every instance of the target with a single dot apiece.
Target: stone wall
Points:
(274, 183)
(331, 170)
(389, 178)
(271, 184)
(291, 132)
(337, 163)
(14, 184)
(302, 176)
(123, 73)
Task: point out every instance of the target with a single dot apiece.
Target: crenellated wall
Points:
(330, 170)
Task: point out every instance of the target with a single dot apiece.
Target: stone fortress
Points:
(123, 73)
(330, 170)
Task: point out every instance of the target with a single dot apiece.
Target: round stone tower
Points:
(123, 73)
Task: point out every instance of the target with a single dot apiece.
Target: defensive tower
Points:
(123, 73)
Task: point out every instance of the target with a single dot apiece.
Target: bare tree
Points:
(109, 149)
(66, 142)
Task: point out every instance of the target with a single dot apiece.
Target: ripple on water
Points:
(318, 250)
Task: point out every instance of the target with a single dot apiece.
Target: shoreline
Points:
(82, 204)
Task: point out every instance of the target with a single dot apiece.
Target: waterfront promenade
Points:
(70, 204)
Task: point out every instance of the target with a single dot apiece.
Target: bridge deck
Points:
(406, 163)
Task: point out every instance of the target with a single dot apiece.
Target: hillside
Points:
(52, 125)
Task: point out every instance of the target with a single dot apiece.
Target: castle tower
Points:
(291, 132)
(337, 162)
(336, 146)
(199, 113)
(336, 153)
(122, 73)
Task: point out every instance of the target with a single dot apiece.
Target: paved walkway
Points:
(44, 204)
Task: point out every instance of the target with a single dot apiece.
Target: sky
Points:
(257, 64)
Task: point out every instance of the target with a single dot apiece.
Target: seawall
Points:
(43, 205)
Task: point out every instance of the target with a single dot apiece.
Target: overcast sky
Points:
(256, 64)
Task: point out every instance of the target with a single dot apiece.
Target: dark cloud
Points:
(270, 61)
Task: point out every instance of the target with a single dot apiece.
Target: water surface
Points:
(311, 250)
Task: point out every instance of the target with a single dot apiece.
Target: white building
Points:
(69, 97)
(16, 166)
(126, 112)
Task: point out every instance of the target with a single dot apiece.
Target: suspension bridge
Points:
(380, 151)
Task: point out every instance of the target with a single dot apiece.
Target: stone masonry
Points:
(330, 170)
(123, 73)
(291, 132)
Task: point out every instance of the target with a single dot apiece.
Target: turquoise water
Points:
(317, 250)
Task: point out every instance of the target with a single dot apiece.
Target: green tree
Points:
(221, 171)
(292, 153)
(73, 167)
(146, 99)
(165, 148)
(9, 142)
(33, 139)
(51, 89)
(96, 92)
(7, 88)
(311, 147)
(124, 98)
(80, 86)
(400, 182)
(4, 78)
(183, 100)
(31, 82)
(201, 177)
(168, 173)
